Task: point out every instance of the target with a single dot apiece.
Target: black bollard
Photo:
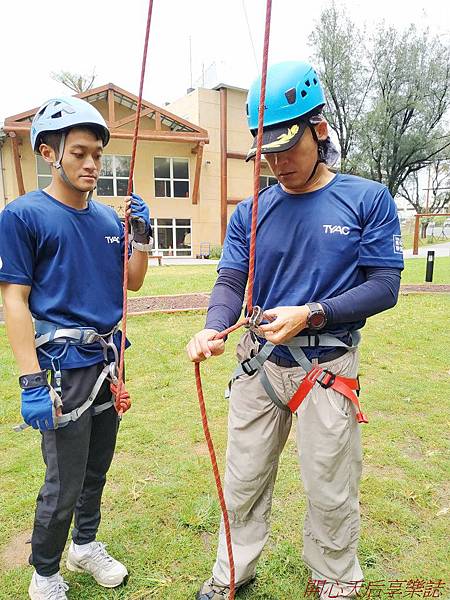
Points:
(430, 266)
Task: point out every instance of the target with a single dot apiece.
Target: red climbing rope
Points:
(251, 275)
(120, 404)
(257, 170)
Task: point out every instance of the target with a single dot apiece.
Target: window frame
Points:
(114, 177)
(49, 175)
(173, 227)
(171, 178)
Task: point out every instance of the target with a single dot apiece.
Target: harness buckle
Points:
(89, 336)
(326, 379)
(316, 340)
(246, 368)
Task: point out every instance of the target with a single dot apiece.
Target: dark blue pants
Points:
(77, 458)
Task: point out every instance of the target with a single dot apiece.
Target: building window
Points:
(266, 180)
(113, 180)
(172, 237)
(171, 177)
(44, 172)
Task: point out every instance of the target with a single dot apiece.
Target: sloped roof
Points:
(168, 126)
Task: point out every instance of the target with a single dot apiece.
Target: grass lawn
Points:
(415, 269)
(177, 279)
(180, 279)
(160, 513)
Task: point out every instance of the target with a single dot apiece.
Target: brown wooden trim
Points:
(132, 118)
(21, 128)
(17, 165)
(160, 136)
(234, 201)
(144, 134)
(157, 121)
(163, 111)
(223, 164)
(198, 168)
(115, 88)
(241, 156)
(111, 108)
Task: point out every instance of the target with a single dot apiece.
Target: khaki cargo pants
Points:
(329, 449)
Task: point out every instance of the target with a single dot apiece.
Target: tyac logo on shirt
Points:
(112, 239)
(341, 229)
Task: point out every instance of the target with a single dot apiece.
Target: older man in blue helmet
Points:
(328, 255)
(61, 262)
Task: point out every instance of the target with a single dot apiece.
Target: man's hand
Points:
(38, 409)
(139, 219)
(287, 322)
(202, 345)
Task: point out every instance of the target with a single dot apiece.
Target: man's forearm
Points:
(19, 326)
(137, 268)
(378, 293)
(225, 304)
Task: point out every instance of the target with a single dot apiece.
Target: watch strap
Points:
(33, 380)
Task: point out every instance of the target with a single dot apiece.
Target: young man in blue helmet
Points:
(62, 264)
(328, 255)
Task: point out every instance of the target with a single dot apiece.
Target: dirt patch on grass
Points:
(16, 552)
(201, 449)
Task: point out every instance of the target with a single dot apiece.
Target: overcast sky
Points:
(41, 36)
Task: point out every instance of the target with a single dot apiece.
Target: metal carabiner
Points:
(255, 320)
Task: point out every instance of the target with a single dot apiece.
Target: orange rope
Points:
(257, 170)
(251, 276)
(121, 405)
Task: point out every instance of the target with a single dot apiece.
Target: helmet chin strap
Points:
(320, 153)
(58, 165)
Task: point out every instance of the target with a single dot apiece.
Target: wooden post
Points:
(416, 236)
(17, 165)
(223, 164)
(111, 109)
(198, 168)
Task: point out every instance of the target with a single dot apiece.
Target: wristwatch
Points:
(317, 318)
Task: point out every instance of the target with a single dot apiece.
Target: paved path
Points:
(439, 250)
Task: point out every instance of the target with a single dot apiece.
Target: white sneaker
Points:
(93, 558)
(48, 588)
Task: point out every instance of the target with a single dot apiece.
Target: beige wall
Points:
(201, 107)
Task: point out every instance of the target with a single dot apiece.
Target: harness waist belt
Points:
(281, 361)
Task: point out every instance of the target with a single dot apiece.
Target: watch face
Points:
(316, 320)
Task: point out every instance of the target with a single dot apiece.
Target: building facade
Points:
(189, 167)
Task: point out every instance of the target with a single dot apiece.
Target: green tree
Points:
(347, 77)
(388, 96)
(404, 129)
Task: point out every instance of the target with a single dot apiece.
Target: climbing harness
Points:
(49, 333)
(314, 373)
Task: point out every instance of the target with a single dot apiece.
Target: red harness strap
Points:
(343, 385)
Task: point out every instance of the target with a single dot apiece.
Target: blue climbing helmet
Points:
(61, 114)
(293, 94)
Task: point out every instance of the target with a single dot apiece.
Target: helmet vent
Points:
(304, 93)
(291, 95)
(315, 81)
(308, 83)
(57, 115)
